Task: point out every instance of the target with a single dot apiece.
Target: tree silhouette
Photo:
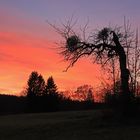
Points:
(52, 94)
(51, 87)
(75, 49)
(102, 46)
(84, 93)
(36, 85)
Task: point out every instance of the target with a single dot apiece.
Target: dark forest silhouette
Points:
(41, 96)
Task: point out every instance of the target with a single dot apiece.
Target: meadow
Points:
(72, 125)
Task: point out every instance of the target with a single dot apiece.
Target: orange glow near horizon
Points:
(28, 45)
(20, 55)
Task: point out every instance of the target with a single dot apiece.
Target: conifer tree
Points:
(51, 87)
(36, 85)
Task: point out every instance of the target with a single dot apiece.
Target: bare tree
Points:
(111, 70)
(135, 64)
(128, 43)
(131, 44)
(128, 40)
(85, 93)
(102, 46)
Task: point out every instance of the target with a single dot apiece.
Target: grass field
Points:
(73, 125)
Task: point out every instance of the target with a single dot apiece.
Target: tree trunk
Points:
(124, 73)
(125, 95)
(123, 67)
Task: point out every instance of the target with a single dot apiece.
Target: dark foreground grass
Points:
(78, 125)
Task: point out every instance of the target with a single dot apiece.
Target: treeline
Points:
(44, 96)
(41, 96)
(10, 104)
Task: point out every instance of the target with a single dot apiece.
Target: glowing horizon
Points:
(23, 56)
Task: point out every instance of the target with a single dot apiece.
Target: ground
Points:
(73, 125)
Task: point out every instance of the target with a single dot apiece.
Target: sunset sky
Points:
(28, 43)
